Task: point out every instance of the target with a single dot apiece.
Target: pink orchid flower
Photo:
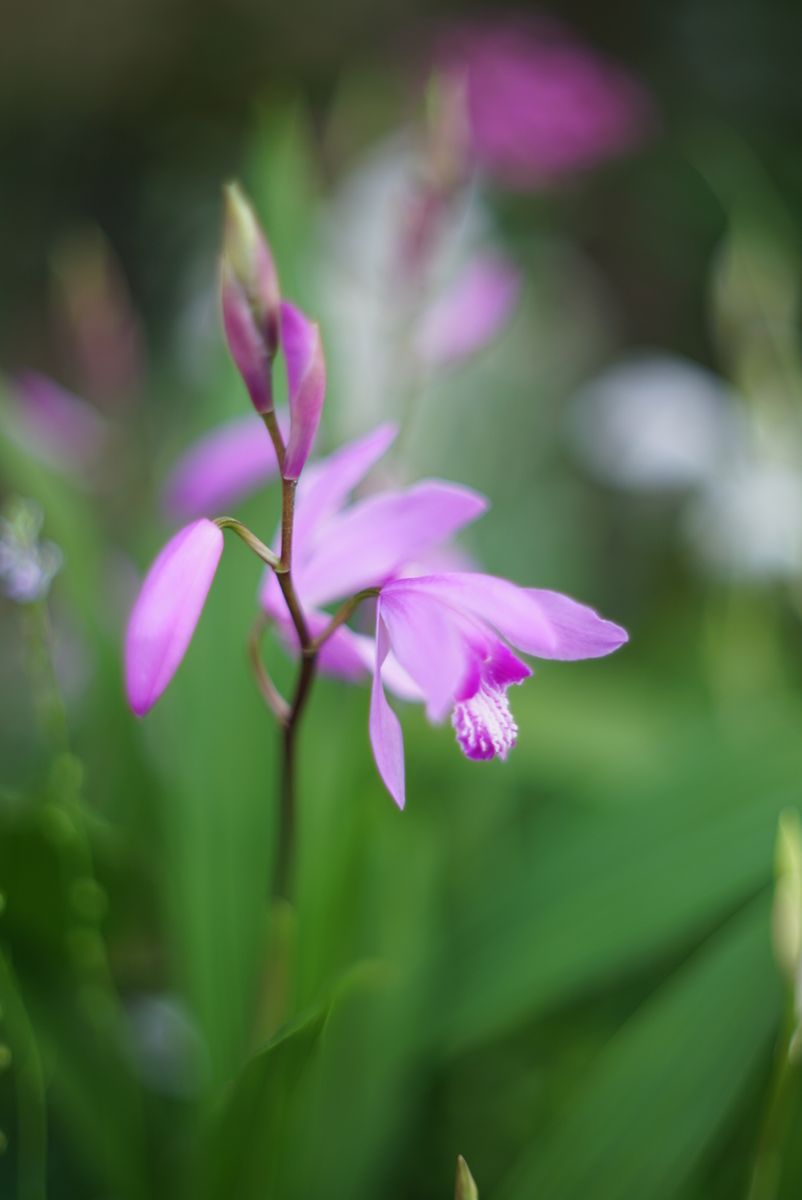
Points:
(339, 552)
(343, 550)
(451, 634)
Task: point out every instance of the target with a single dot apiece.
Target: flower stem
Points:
(288, 716)
(271, 424)
(270, 693)
(346, 610)
(250, 539)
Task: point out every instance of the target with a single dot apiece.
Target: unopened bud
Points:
(465, 1188)
(306, 377)
(245, 343)
(246, 250)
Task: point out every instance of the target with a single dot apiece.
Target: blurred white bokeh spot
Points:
(654, 421)
(747, 522)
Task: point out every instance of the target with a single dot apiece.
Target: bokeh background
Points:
(561, 967)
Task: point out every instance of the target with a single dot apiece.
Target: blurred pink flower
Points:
(449, 633)
(540, 104)
(100, 322)
(470, 313)
(220, 469)
(55, 424)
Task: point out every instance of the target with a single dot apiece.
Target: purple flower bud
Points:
(167, 610)
(245, 343)
(306, 378)
(246, 250)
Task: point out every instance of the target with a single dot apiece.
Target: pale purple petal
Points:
(167, 611)
(325, 485)
(475, 308)
(394, 676)
(306, 378)
(55, 424)
(245, 342)
(220, 469)
(369, 542)
(386, 737)
(542, 623)
(428, 644)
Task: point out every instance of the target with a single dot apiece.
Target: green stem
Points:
(271, 424)
(49, 700)
(270, 693)
(343, 614)
(250, 539)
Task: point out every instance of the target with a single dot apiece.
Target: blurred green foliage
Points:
(559, 967)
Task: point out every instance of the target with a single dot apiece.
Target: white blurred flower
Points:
(655, 421)
(365, 301)
(27, 565)
(166, 1047)
(747, 520)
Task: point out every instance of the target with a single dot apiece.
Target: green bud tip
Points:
(465, 1188)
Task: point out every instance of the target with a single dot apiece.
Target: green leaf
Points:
(664, 1087)
(590, 896)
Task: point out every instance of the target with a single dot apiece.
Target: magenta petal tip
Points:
(167, 611)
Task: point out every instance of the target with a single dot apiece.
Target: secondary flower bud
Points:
(306, 378)
(248, 255)
(245, 343)
(167, 611)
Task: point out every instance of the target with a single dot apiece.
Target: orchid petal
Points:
(428, 644)
(386, 737)
(167, 611)
(220, 468)
(326, 484)
(365, 545)
(306, 378)
(543, 623)
(470, 313)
